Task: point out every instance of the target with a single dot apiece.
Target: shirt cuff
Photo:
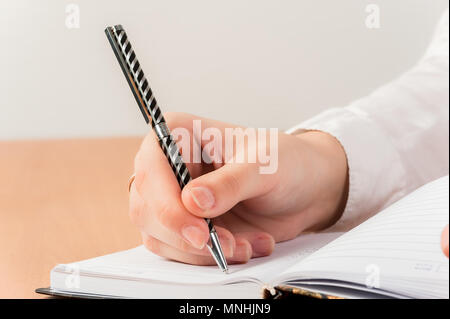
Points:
(376, 176)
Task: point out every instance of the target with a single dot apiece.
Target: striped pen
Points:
(151, 112)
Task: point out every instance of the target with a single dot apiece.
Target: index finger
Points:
(157, 185)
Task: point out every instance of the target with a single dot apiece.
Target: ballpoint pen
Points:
(151, 112)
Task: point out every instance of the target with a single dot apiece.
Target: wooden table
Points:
(61, 201)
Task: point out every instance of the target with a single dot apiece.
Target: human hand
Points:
(444, 241)
(251, 211)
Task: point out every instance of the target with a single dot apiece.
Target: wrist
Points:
(333, 185)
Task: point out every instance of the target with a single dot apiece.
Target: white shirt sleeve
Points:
(397, 138)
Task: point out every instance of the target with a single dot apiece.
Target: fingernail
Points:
(202, 197)
(262, 247)
(194, 235)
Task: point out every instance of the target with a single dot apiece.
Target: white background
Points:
(253, 62)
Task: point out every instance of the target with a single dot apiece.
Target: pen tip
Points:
(226, 271)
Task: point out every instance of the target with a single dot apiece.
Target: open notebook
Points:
(396, 253)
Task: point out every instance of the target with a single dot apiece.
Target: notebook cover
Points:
(278, 292)
(56, 293)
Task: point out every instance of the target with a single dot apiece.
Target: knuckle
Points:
(164, 215)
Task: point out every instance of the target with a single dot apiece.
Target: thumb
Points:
(216, 192)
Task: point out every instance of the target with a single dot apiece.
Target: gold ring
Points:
(130, 182)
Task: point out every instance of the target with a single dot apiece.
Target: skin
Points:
(250, 211)
(444, 241)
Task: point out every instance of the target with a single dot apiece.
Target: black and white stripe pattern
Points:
(167, 144)
(138, 75)
(171, 151)
(119, 41)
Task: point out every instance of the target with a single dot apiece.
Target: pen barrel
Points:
(148, 105)
(134, 74)
(179, 168)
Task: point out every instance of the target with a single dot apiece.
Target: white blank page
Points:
(140, 264)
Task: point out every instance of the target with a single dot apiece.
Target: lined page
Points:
(396, 250)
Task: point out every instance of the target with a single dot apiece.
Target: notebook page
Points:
(396, 250)
(140, 264)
